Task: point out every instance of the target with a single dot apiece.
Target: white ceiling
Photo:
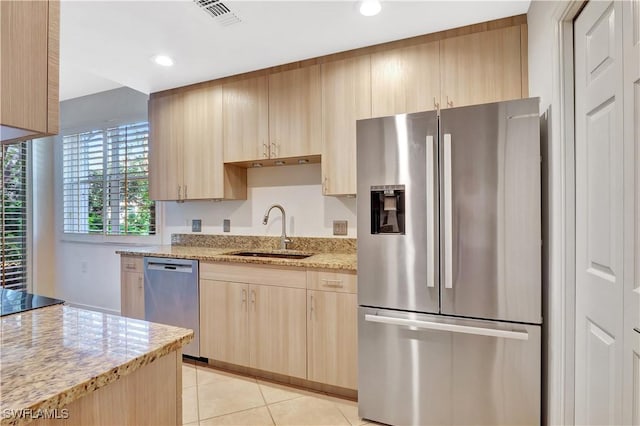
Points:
(108, 44)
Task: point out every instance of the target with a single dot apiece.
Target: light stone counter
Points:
(53, 356)
(322, 260)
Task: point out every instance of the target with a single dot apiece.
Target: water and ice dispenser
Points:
(387, 209)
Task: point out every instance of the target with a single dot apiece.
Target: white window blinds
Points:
(13, 216)
(106, 182)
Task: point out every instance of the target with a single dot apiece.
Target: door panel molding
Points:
(600, 217)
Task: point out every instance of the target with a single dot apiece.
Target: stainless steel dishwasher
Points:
(171, 296)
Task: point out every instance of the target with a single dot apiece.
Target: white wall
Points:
(545, 81)
(297, 188)
(43, 253)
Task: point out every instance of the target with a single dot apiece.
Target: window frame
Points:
(27, 236)
(99, 238)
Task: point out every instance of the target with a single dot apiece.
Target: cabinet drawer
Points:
(131, 263)
(254, 274)
(330, 280)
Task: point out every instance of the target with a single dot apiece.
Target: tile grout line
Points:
(230, 414)
(265, 403)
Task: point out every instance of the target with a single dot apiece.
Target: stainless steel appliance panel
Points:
(490, 211)
(171, 296)
(417, 369)
(399, 270)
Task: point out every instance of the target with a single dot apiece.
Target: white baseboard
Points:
(93, 308)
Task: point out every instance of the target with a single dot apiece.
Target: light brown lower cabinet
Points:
(287, 321)
(224, 321)
(260, 326)
(131, 287)
(332, 340)
(149, 396)
(277, 330)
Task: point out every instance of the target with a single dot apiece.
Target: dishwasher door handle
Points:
(167, 267)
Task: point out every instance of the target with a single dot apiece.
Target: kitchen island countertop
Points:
(52, 356)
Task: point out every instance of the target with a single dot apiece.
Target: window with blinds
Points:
(106, 182)
(13, 216)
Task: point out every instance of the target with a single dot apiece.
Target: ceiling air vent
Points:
(219, 11)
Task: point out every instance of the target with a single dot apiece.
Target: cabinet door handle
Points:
(253, 298)
(310, 306)
(274, 153)
(140, 282)
(264, 150)
(179, 192)
(185, 192)
(130, 266)
(244, 296)
(332, 283)
(325, 185)
(436, 104)
(449, 103)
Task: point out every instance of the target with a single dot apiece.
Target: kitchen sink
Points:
(274, 255)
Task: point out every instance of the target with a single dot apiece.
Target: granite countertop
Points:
(322, 260)
(52, 356)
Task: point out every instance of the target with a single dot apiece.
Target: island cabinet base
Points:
(151, 395)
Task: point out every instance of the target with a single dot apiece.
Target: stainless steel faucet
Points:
(283, 238)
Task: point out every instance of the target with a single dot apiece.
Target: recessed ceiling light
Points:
(303, 161)
(280, 163)
(163, 60)
(370, 7)
(256, 164)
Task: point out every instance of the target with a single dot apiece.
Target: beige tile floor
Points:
(214, 397)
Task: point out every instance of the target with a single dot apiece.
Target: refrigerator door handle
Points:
(448, 238)
(454, 328)
(431, 281)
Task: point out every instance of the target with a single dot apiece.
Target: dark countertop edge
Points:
(300, 263)
(82, 389)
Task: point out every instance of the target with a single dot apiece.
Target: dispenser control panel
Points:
(387, 209)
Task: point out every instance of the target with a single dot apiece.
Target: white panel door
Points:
(631, 48)
(599, 214)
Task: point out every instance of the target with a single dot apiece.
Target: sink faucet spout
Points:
(284, 240)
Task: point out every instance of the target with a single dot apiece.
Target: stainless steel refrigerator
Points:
(449, 266)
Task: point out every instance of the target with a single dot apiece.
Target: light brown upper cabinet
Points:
(186, 148)
(29, 93)
(295, 113)
(165, 146)
(346, 97)
(481, 67)
(405, 80)
(245, 117)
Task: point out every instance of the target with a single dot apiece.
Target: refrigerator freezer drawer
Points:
(417, 369)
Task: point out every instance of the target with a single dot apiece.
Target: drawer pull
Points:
(332, 283)
(131, 266)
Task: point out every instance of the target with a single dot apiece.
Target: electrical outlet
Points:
(196, 225)
(340, 227)
(226, 225)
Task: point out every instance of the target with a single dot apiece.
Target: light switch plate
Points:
(226, 225)
(340, 227)
(196, 225)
